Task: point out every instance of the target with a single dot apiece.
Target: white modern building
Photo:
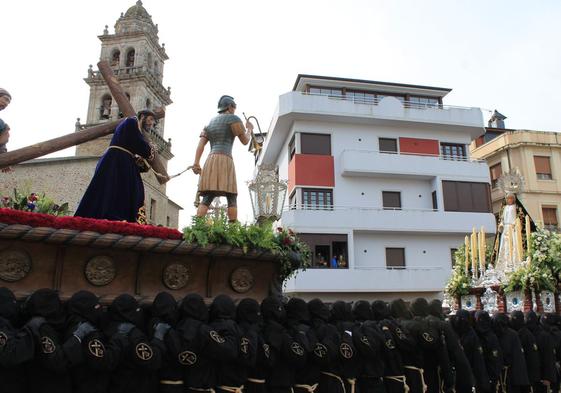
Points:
(380, 185)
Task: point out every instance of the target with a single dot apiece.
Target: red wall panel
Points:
(311, 170)
(418, 146)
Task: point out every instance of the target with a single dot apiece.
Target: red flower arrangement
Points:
(11, 216)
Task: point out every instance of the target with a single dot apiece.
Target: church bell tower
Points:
(137, 59)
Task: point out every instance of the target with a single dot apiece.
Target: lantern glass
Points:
(267, 194)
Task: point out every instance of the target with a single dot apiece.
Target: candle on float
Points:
(467, 254)
(528, 236)
(519, 245)
(510, 244)
(482, 249)
(474, 253)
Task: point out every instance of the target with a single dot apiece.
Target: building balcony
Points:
(370, 279)
(378, 164)
(388, 110)
(375, 219)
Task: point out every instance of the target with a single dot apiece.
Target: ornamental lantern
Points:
(267, 194)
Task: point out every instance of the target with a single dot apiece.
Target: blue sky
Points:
(493, 54)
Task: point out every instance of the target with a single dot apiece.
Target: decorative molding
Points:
(176, 275)
(242, 280)
(14, 265)
(100, 270)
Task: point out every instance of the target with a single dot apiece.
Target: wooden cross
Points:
(76, 138)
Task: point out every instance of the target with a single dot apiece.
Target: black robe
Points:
(515, 374)
(529, 345)
(546, 348)
(491, 347)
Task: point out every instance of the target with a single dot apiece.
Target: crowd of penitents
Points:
(277, 346)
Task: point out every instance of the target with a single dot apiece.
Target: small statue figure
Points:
(106, 109)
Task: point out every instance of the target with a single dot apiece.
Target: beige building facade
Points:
(537, 156)
(137, 59)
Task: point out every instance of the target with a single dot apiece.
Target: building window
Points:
(549, 217)
(361, 97)
(452, 151)
(292, 148)
(130, 58)
(453, 256)
(116, 58)
(168, 221)
(387, 145)
(317, 199)
(422, 102)
(395, 258)
(319, 144)
(329, 250)
(326, 91)
(496, 172)
(543, 167)
(391, 200)
(466, 197)
(152, 210)
(105, 110)
(434, 201)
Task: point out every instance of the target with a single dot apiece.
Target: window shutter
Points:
(395, 257)
(542, 164)
(549, 216)
(496, 171)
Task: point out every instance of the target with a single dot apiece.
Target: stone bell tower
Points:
(138, 59)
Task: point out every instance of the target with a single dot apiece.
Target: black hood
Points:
(549, 320)
(193, 306)
(272, 309)
(85, 305)
(222, 307)
(341, 312)
(399, 309)
(8, 306)
(125, 308)
(420, 307)
(483, 322)
(380, 310)
(435, 308)
(532, 321)
(46, 303)
(501, 323)
(248, 311)
(517, 320)
(297, 311)
(362, 311)
(318, 310)
(462, 322)
(164, 308)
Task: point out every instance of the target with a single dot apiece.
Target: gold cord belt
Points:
(309, 388)
(337, 378)
(255, 380)
(170, 382)
(137, 157)
(400, 379)
(352, 382)
(422, 373)
(231, 389)
(208, 390)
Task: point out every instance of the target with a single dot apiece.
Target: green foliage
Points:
(460, 283)
(294, 254)
(27, 201)
(532, 276)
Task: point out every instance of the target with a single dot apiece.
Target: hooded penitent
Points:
(248, 312)
(420, 307)
(380, 310)
(125, 308)
(362, 311)
(46, 303)
(84, 306)
(272, 309)
(164, 308)
(318, 310)
(193, 307)
(222, 308)
(435, 308)
(399, 309)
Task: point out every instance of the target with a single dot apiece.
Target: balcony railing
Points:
(445, 157)
(303, 206)
(376, 101)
